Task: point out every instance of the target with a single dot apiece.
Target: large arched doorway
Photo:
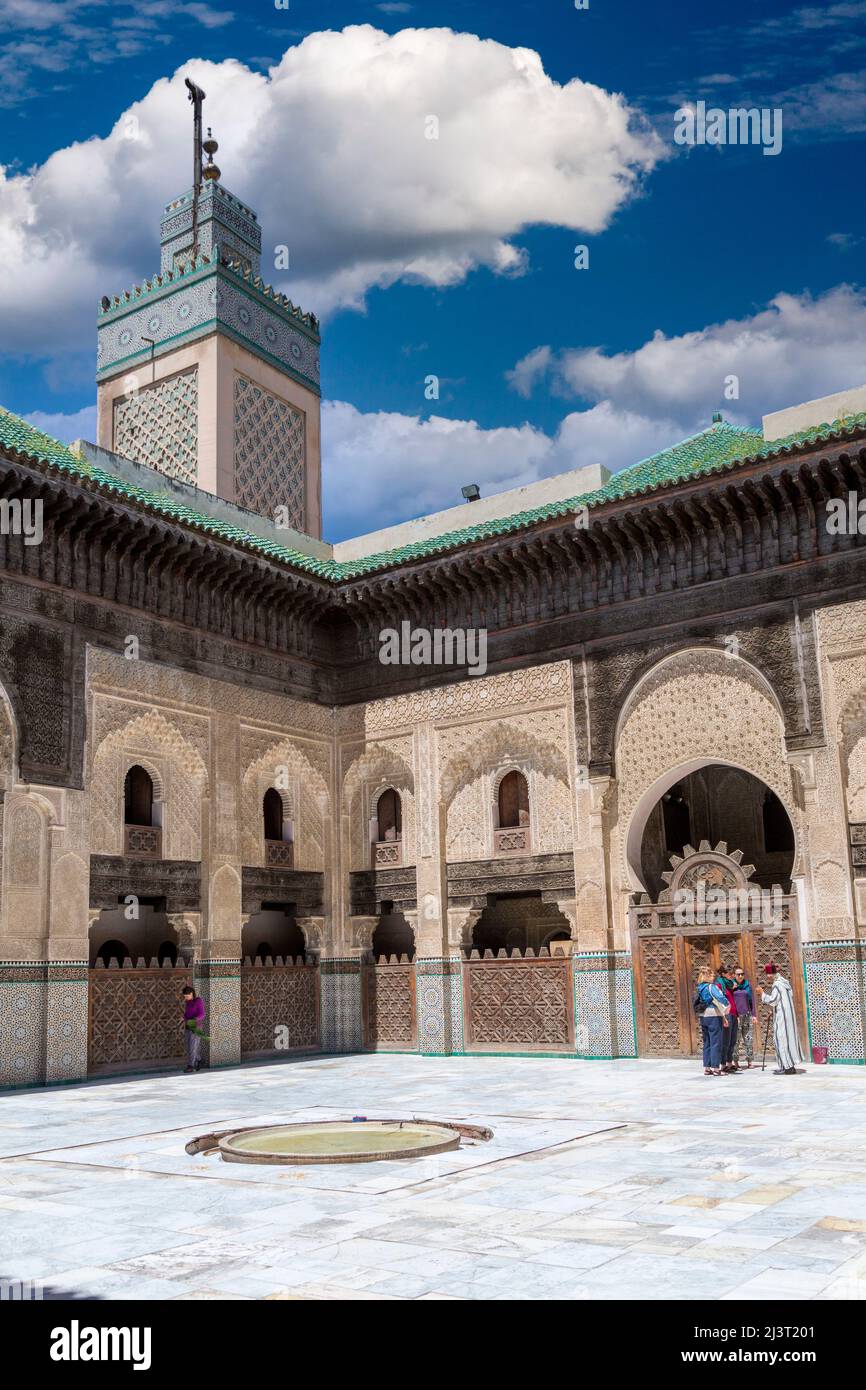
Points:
(716, 851)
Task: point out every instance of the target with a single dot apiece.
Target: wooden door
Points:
(660, 990)
(780, 947)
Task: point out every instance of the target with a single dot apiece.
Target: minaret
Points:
(208, 374)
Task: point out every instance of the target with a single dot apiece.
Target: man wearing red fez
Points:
(780, 998)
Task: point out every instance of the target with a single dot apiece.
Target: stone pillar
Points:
(341, 1002)
(439, 986)
(438, 969)
(217, 965)
(66, 1037)
(22, 1022)
(68, 946)
(218, 980)
(604, 1022)
(44, 937)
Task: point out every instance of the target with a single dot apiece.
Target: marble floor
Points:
(630, 1179)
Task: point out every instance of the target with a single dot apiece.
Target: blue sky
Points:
(704, 262)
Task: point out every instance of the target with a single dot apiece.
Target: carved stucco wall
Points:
(366, 770)
(169, 746)
(290, 769)
(840, 773)
(443, 749)
(702, 706)
(212, 749)
(212, 745)
(472, 761)
(26, 865)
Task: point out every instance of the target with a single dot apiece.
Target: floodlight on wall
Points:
(471, 492)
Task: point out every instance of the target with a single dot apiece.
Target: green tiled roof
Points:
(714, 450)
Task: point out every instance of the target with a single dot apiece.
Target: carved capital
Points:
(362, 929)
(568, 908)
(314, 933)
(461, 921)
(186, 926)
(802, 765)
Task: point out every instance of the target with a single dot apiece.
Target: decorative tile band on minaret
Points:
(206, 372)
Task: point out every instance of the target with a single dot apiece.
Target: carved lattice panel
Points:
(135, 1015)
(279, 997)
(779, 947)
(660, 993)
(269, 453)
(390, 996)
(699, 954)
(519, 1002)
(159, 426)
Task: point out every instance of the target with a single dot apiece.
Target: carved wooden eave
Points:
(749, 535)
(655, 526)
(103, 546)
(744, 520)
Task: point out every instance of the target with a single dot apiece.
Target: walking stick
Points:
(766, 1037)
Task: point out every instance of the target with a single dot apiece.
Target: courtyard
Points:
(636, 1179)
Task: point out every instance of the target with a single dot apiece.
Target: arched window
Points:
(677, 821)
(138, 797)
(389, 815)
(513, 801)
(393, 936)
(778, 832)
(272, 811)
(114, 951)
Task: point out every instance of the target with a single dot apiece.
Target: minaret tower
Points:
(205, 372)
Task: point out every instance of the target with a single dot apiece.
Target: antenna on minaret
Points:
(196, 96)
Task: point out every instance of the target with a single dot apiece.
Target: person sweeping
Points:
(193, 1018)
(779, 996)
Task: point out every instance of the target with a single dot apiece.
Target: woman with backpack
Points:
(712, 1007)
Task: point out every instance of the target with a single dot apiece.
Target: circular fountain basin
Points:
(339, 1141)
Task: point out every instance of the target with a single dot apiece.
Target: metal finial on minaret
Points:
(210, 147)
(196, 96)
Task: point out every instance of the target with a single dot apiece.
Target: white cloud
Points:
(530, 370)
(832, 106)
(61, 35)
(330, 149)
(383, 468)
(796, 349)
(844, 241)
(81, 424)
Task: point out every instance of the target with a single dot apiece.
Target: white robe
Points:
(785, 1037)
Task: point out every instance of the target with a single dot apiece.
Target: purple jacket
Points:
(744, 1001)
(193, 1010)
